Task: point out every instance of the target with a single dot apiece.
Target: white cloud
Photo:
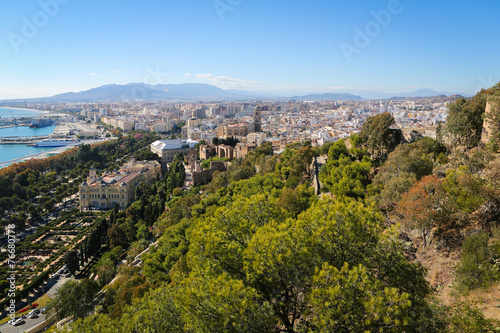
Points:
(341, 88)
(228, 82)
(93, 74)
(417, 87)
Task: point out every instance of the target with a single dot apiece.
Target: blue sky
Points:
(280, 46)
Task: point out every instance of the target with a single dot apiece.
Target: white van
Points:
(33, 313)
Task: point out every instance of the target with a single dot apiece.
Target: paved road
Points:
(27, 325)
(53, 285)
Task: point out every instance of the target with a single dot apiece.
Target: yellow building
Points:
(117, 189)
(232, 130)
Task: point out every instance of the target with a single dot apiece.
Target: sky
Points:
(54, 46)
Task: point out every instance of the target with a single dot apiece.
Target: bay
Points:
(26, 131)
(10, 152)
(9, 112)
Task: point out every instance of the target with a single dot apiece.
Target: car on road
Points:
(33, 313)
(16, 321)
(42, 310)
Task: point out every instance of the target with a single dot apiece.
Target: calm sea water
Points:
(8, 112)
(10, 152)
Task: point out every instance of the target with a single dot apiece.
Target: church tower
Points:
(92, 175)
(257, 119)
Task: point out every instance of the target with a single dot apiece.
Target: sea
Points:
(10, 152)
(9, 112)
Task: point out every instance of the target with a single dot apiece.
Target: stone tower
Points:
(92, 175)
(257, 119)
(491, 123)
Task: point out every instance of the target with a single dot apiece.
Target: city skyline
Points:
(56, 46)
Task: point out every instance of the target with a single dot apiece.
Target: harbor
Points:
(41, 154)
(21, 143)
(26, 134)
(22, 140)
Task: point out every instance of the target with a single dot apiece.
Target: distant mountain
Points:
(369, 94)
(195, 91)
(328, 97)
(254, 93)
(142, 91)
(431, 99)
(426, 93)
(206, 92)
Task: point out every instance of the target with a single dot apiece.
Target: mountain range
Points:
(204, 92)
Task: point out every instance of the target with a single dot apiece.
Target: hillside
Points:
(403, 238)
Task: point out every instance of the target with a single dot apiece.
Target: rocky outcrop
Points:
(491, 123)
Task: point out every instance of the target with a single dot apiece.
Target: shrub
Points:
(475, 269)
(467, 318)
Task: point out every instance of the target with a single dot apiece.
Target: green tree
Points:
(465, 120)
(465, 317)
(105, 270)
(475, 269)
(258, 255)
(117, 236)
(350, 300)
(74, 298)
(71, 261)
(345, 177)
(378, 136)
(337, 150)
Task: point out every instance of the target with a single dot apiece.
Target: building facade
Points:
(232, 130)
(167, 149)
(116, 189)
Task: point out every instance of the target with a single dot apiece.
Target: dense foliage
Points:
(32, 188)
(256, 250)
(259, 252)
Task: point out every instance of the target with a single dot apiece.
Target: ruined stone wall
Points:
(205, 176)
(491, 123)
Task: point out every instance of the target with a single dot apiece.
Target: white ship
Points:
(56, 142)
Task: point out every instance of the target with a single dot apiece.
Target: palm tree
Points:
(106, 270)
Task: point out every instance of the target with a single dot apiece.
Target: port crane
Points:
(15, 120)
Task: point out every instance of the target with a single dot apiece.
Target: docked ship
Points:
(56, 142)
(42, 122)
